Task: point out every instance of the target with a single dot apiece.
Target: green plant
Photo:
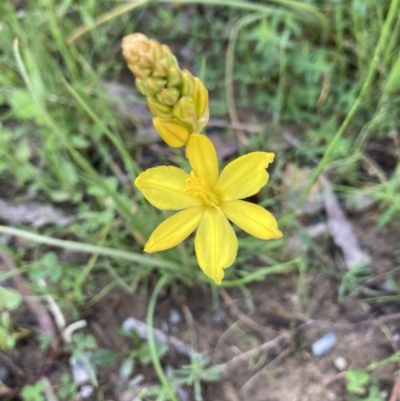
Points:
(33, 392)
(329, 71)
(360, 383)
(196, 373)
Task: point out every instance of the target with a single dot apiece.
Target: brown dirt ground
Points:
(288, 371)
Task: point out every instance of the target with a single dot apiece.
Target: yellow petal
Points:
(244, 176)
(174, 133)
(175, 229)
(200, 98)
(215, 244)
(203, 158)
(164, 188)
(253, 219)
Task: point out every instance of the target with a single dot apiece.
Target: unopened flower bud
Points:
(171, 93)
(159, 109)
(187, 83)
(150, 86)
(160, 69)
(139, 72)
(155, 85)
(200, 97)
(168, 96)
(174, 133)
(137, 50)
(174, 77)
(185, 110)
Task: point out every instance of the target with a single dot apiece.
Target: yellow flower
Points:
(206, 201)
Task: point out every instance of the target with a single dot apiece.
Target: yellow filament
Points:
(195, 185)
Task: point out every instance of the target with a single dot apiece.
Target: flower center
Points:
(195, 185)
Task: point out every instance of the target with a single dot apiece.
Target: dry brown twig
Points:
(250, 383)
(394, 396)
(37, 309)
(339, 226)
(241, 316)
(227, 366)
(341, 229)
(324, 89)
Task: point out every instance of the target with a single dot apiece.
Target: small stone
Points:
(396, 337)
(340, 363)
(175, 317)
(79, 370)
(325, 344)
(4, 374)
(217, 317)
(136, 381)
(86, 391)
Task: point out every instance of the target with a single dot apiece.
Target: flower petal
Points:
(175, 229)
(174, 133)
(215, 244)
(164, 188)
(244, 176)
(203, 158)
(253, 219)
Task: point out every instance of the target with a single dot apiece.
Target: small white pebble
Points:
(332, 396)
(175, 317)
(396, 337)
(86, 391)
(79, 371)
(136, 381)
(340, 363)
(217, 316)
(21, 14)
(325, 344)
(384, 395)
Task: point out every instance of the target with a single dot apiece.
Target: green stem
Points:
(92, 249)
(151, 341)
(130, 165)
(261, 273)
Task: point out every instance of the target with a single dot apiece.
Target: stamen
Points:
(195, 185)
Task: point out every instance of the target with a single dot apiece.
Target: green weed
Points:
(331, 69)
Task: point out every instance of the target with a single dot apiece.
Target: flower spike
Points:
(172, 94)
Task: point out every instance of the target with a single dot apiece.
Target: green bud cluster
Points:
(174, 96)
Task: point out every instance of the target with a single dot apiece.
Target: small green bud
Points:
(155, 85)
(174, 77)
(184, 110)
(168, 96)
(159, 109)
(150, 86)
(200, 97)
(160, 69)
(187, 83)
(139, 72)
(141, 87)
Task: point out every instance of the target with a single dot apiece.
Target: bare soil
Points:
(287, 371)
